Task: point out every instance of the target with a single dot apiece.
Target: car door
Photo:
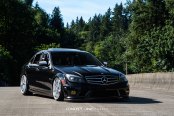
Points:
(32, 71)
(45, 75)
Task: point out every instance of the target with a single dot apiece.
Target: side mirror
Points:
(105, 63)
(43, 63)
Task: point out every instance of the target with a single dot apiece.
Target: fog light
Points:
(73, 92)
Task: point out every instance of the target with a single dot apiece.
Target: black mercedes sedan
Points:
(71, 74)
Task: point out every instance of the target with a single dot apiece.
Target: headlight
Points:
(75, 78)
(123, 77)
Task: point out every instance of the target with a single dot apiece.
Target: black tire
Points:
(57, 92)
(24, 86)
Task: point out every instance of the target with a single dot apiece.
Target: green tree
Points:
(106, 24)
(6, 67)
(16, 31)
(56, 21)
(43, 34)
(113, 48)
(145, 34)
(119, 20)
(16, 34)
(28, 2)
(94, 28)
(81, 24)
(169, 7)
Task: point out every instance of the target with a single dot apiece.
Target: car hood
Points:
(88, 70)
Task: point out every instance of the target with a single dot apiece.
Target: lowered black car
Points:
(70, 73)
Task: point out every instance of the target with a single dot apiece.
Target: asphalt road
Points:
(143, 103)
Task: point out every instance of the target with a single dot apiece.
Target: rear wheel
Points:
(58, 94)
(24, 86)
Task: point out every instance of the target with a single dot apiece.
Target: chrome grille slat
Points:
(93, 78)
(95, 81)
(113, 81)
(98, 79)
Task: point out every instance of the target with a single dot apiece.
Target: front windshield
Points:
(74, 59)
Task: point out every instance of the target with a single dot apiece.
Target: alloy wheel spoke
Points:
(23, 84)
(56, 88)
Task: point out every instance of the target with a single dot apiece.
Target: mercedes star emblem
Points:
(104, 80)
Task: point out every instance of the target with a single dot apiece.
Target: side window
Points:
(37, 58)
(45, 57)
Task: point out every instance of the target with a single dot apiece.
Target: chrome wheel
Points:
(57, 90)
(23, 84)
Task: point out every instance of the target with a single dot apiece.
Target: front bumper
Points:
(80, 91)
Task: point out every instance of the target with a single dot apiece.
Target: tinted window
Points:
(36, 59)
(45, 57)
(74, 59)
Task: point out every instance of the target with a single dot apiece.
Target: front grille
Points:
(102, 79)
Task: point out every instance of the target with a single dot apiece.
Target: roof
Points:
(63, 50)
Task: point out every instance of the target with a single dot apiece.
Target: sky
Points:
(70, 9)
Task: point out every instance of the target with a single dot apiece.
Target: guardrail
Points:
(161, 81)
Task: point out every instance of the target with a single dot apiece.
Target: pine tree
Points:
(94, 27)
(106, 24)
(81, 23)
(29, 2)
(119, 20)
(56, 21)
